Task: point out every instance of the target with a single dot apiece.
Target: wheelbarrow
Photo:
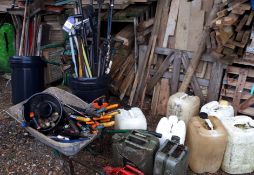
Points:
(68, 150)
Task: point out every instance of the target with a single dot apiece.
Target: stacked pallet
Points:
(238, 88)
(249, 52)
(55, 23)
(231, 30)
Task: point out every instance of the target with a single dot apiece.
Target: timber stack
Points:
(231, 30)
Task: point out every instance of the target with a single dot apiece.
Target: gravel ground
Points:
(21, 154)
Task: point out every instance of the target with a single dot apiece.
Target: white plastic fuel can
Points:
(130, 119)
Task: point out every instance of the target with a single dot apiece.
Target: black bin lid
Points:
(26, 60)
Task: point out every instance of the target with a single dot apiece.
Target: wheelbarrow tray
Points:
(68, 149)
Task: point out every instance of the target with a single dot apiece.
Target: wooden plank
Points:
(125, 65)
(196, 25)
(166, 51)
(172, 19)
(176, 72)
(164, 66)
(236, 70)
(242, 23)
(248, 111)
(181, 41)
(250, 19)
(143, 84)
(145, 24)
(169, 75)
(171, 42)
(213, 40)
(208, 72)
(142, 52)
(231, 93)
(247, 103)
(198, 53)
(163, 23)
(155, 98)
(127, 82)
(126, 35)
(207, 5)
(163, 97)
(142, 67)
(215, 81)
(233, 82)
(239, 89)
(203, 70)
(194, 83)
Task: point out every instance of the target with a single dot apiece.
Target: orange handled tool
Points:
(103, 117)
(90, 123)
(113, 113)
(106, 120)
(108, 124)
(32, 117)
(103, 125)
(79, 118)
(107, 108)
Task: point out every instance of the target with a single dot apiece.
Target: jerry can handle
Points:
(136, 141)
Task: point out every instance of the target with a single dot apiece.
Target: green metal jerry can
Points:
(137, 149)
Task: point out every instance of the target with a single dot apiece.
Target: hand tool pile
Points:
(67, 123)
(28, 31)
(90, 58)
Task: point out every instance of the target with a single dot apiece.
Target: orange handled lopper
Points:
(79, 118)
(103, 125)
(107, 108)
(105, 117)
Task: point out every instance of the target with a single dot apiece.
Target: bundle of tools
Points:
(67, 123)
(89, 57)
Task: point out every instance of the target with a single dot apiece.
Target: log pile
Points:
(231, 30)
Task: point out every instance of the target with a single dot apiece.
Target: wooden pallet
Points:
(53, 72)
(237, 85)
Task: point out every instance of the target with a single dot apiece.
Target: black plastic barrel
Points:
(27, 77)
(89, 89)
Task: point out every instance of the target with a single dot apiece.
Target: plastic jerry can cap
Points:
(203, 115)
(175, 139)
(223, 103)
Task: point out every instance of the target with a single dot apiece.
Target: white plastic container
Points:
(183, 106)
(218, 109)
(130, 119)
(239, 155)
(171, 126)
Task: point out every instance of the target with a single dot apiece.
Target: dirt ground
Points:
(21, 154)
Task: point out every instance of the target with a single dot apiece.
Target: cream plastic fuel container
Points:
(169, 126)
(207, 141)
(135, 148)
(183, 106)
(130, 119)
(171, 159)
(219, 109)
(239, 154)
